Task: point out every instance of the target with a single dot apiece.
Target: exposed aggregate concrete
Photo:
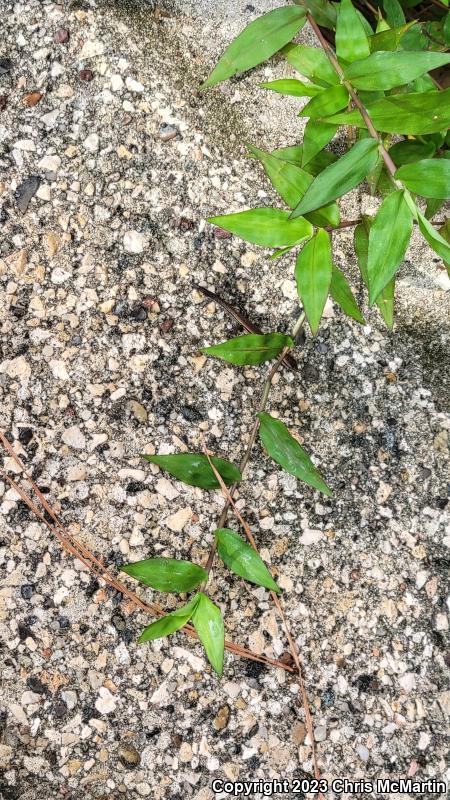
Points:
(105, 182)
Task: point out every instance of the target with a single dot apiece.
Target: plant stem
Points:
(390, 166)
(253, 433)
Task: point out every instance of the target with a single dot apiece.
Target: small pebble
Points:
(26, 191)
(32, 98)
(27, 591)
(320, 733)
(6, 65)
(167, 132)
(129, 756)
(166, 326)
(61, 36)
(86, 75)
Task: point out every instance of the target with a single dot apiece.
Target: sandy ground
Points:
(99, 361)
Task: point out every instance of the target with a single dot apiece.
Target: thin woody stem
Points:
(253, 433)
(390, 166)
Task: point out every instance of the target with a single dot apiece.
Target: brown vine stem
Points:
(390, 166)
(245, 458)
(276, 600)
(96, 566)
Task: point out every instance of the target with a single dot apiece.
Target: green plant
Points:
(384, 91)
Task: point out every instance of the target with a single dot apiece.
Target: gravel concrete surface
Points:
(110, 160)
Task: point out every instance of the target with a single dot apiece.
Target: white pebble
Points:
(106, 703)
(134, 86)
(74, 438)
(92, 142)
(133, 242)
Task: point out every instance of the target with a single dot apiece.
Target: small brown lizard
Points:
(288, 360)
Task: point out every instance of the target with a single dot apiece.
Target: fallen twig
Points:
(96, 566)
(276, 600)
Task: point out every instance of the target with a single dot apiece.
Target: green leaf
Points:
(312, 63)
(408, 114)
(315, 137)
(385, 70)
(351, 39)
(389, 39)
(389, 237)
(339, 178)
(385, 300)
(258, 41)
(294, 155)
(313, 276)
(434, 204)
(195, 470)
(251, 348)
(428, 178)
(243, 560)
(423, 84)
(446, 29)
(409, 151)
(367, 27)
(437, 240)
(343, 295)
(268, 227)
(292, 87)
(208, 622)
(327, 102)
(291, 182)
(288, 453)
(170, 623)
(166, 574)
(394, 13)
(323, 12)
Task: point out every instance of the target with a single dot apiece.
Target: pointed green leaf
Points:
(446, 29)
(291, 182)
(167, 574)
(365, 23)
(351, 38)
(288, 453)
(243, 560)
(339, 178)
(385, 70)
(208, 622)
(316, 136)
(312, 63)
(385, 300)
(389, 39)
(439, 241)
(170, 623)
(195, 470)
(251, 348)
(407, 114)
(327, 102)
(268, 227)
(434, 204)
(394, 13)
(343, 295)
(389, 237)
(313, 276)
(410, 150)
(294, 155)
(428, 178)
(278, 253)
(292, 87)
(322, 11)
(258, 41)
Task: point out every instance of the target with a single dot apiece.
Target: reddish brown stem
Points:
(390, 166)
